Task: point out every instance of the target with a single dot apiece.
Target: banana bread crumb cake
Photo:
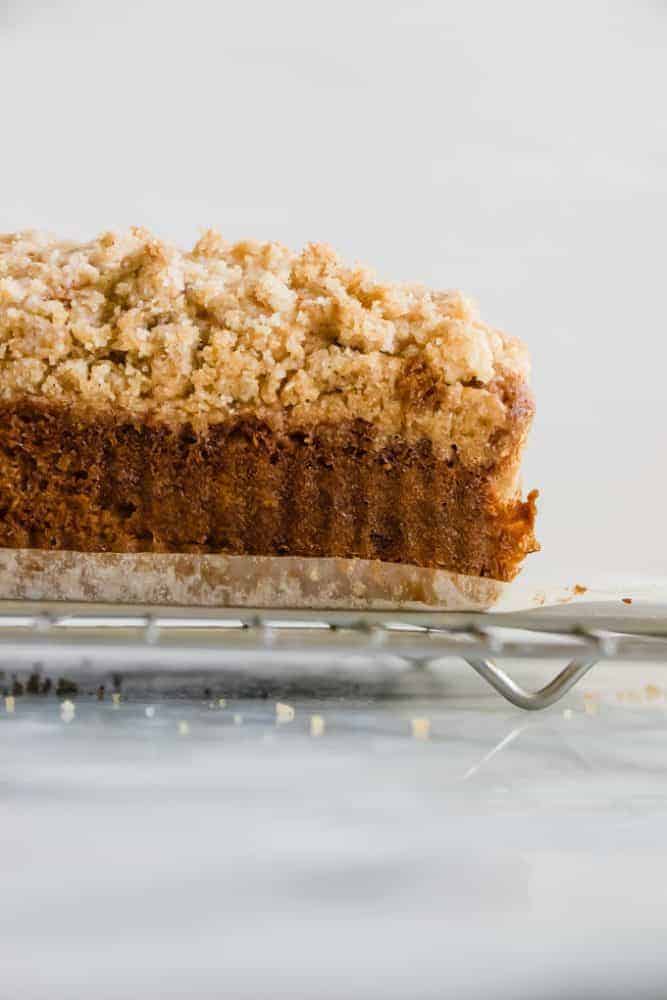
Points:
(241, 398)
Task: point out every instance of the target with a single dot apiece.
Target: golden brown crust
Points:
(113, 483)
(128, 323)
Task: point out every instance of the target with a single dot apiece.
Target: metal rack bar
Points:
(531, 700)
(173, 640)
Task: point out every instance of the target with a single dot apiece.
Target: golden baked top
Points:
(130, 322)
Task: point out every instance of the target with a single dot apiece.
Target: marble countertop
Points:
(171, 846)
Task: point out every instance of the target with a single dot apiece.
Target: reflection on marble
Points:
(166, 846)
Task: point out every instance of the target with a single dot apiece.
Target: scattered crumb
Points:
(34, 684)
(627, 600)
(150, 711)
(65, 686)
(222, 703)
(284, 713)
(421, 729)
(67, 711)
(183, 728)
(238, 720)
(317, 725)
(115, 699)
(568, 714)
(591, 702)
(579, 589)
(10, 703)
(653, 692)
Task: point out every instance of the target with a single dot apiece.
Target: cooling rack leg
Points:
(531, 700)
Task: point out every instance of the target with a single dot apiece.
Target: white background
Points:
(517, 150)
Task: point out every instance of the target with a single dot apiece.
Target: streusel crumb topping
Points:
(130, 322)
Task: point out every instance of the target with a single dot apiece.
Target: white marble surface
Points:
(511, 855)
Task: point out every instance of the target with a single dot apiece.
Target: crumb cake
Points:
(244, 399)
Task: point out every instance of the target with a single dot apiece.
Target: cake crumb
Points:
(115, 699)
(66, 686)
(317, 725)
(34, 683)
(591, 702)
(10, 704)
(627, 600)
(150, 711)
(284, 713)
(183, 728)
(653, 692)
(67, 711)
(579, 589)
(421, 729)
(222, 703)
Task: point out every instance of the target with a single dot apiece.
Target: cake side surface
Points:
(120, 484)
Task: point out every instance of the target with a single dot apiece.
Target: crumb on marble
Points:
(65, 686)
(284, 713)
(421, 729)
(317, 725)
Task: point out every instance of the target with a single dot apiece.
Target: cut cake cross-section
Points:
(247, 400)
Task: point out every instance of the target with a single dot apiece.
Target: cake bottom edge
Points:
(229, 581)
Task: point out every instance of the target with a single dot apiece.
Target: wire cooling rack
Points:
(99, 639)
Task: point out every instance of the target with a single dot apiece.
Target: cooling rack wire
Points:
(100, 639)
